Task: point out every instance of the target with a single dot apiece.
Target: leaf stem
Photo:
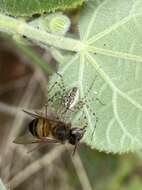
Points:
(16, 26)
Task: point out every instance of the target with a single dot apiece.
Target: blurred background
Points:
(23, 84)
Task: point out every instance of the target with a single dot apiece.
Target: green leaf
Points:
(112, 51)
(109, 48)
(28, 8)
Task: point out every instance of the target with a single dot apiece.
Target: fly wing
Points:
(33, 113)
(26, 139)
(39, 115)
(29, 139)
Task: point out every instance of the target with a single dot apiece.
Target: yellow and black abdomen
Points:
(39, 127)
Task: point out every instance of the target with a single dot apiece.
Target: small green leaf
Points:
(112, 37)
(30, 7)
(55, 23)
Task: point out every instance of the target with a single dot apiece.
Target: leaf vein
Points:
(90, 24)
(111, 84)
(110, 124)
(116, 115)
(116, 54)
(112, 28)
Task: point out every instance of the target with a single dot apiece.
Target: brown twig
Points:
(21, 82)
(80, 170)
(36, 166)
